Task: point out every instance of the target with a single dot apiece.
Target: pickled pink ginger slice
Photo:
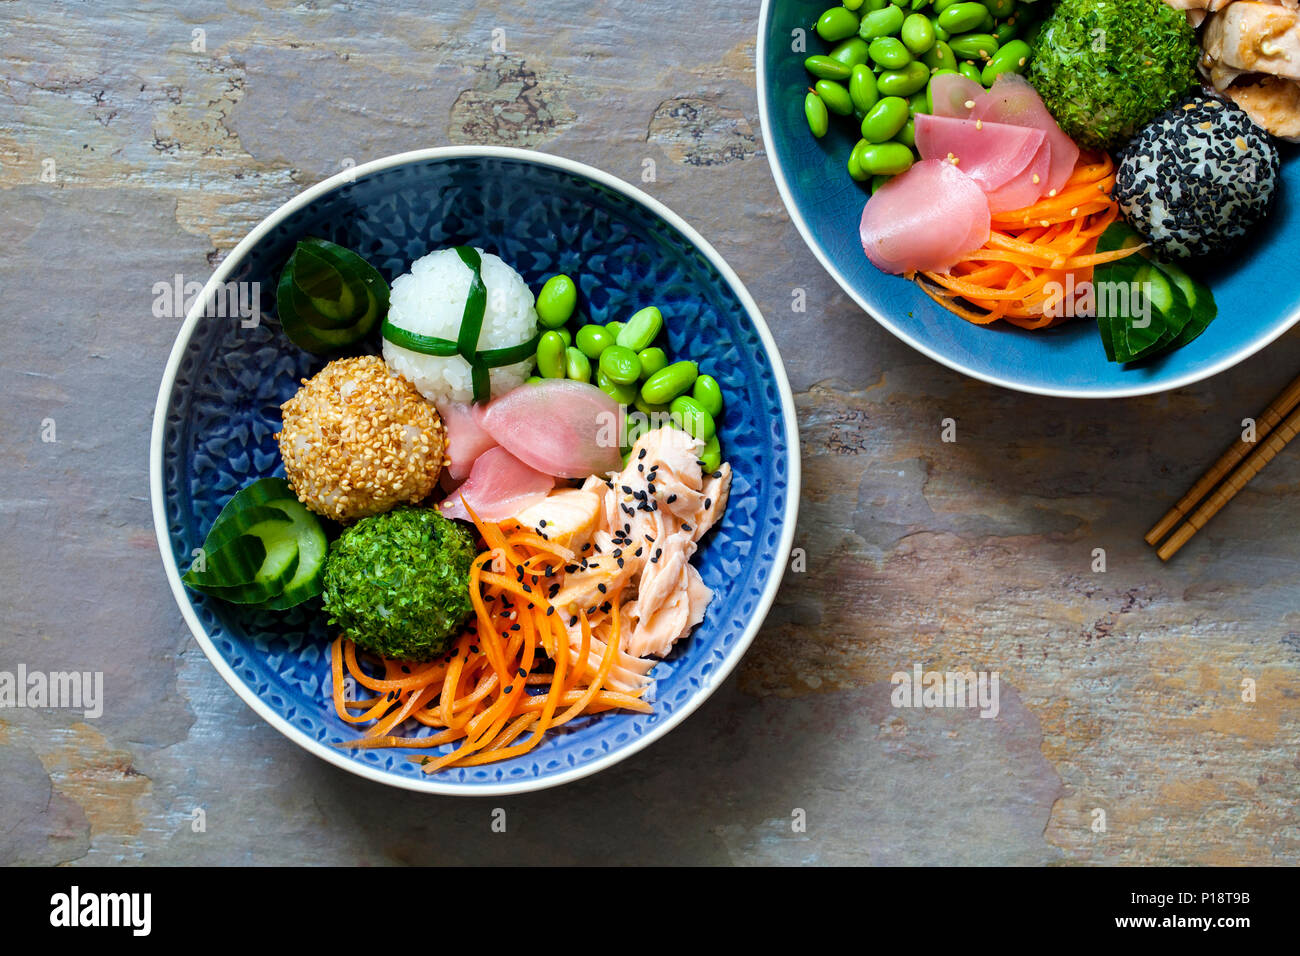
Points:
(466, 438)
(924, 219)
(1012, 99)
(990, 153)
(499, 485)
(954, 95)
(1026, 188)
(563, 428)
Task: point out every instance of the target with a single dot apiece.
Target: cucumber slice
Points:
(328, 297)
(1181, 308)
(1169, 311)
(260, 492)
(1115, 309)
(356, 274)
(265, 548)
(234, 562)
(233, 523)
(320, 282)
(279, 545)
(309, 579)
(1200, 301)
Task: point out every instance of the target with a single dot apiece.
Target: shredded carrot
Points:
(486, 691)
(1034, 255)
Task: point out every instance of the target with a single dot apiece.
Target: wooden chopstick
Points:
(1256, 454)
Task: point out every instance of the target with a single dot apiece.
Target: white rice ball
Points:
(430, 300)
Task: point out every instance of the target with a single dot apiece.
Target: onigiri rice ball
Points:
(430, 300)
(1197, 178)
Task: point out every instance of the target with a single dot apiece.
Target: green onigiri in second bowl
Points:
(397, 584)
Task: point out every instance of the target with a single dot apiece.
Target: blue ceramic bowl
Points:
(218, 410)
(1255, 287)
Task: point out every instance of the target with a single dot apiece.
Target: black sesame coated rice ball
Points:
(1197, 178)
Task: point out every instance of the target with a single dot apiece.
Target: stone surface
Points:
(1120, 691)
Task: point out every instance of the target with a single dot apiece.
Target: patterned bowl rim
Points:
(868, 306)
(444, 153)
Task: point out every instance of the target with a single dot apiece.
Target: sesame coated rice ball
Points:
(358, 440)
(1198, 178)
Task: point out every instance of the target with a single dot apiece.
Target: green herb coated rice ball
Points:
(1104, 68)
(397, 584)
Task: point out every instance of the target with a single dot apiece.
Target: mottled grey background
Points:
(1121, 690)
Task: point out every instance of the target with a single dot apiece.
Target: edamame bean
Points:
(550, 356)
(872, 5)
(613, 328)
(592, 340)
(853, 4)
(889, 52)
(907, 135)
(669, 382)
(884, 120)
(862, 88)
(648, 410)
(939, 6)
(887, 159)
(939, 57)
(652, 360)
(918, 33)
(882, 23)
(556, 301)
(644, 326)
(823, 67)
(566, 335)
(836, 24)
(532, 380)
(711, 456)
(855, 162)
(694, 418)
(623, 394)
(708, 393)
(963, 17)
(850, 52)
(940, 33)
(835, 96)
(1011, 58)
(919, 102)
(1001, 8)
(974, 46)
(987, 24)
(969, 70)
(904, 82)
(620, 364)
(878, 181)
(576, 365)
(1005, 32)
(819, 119)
